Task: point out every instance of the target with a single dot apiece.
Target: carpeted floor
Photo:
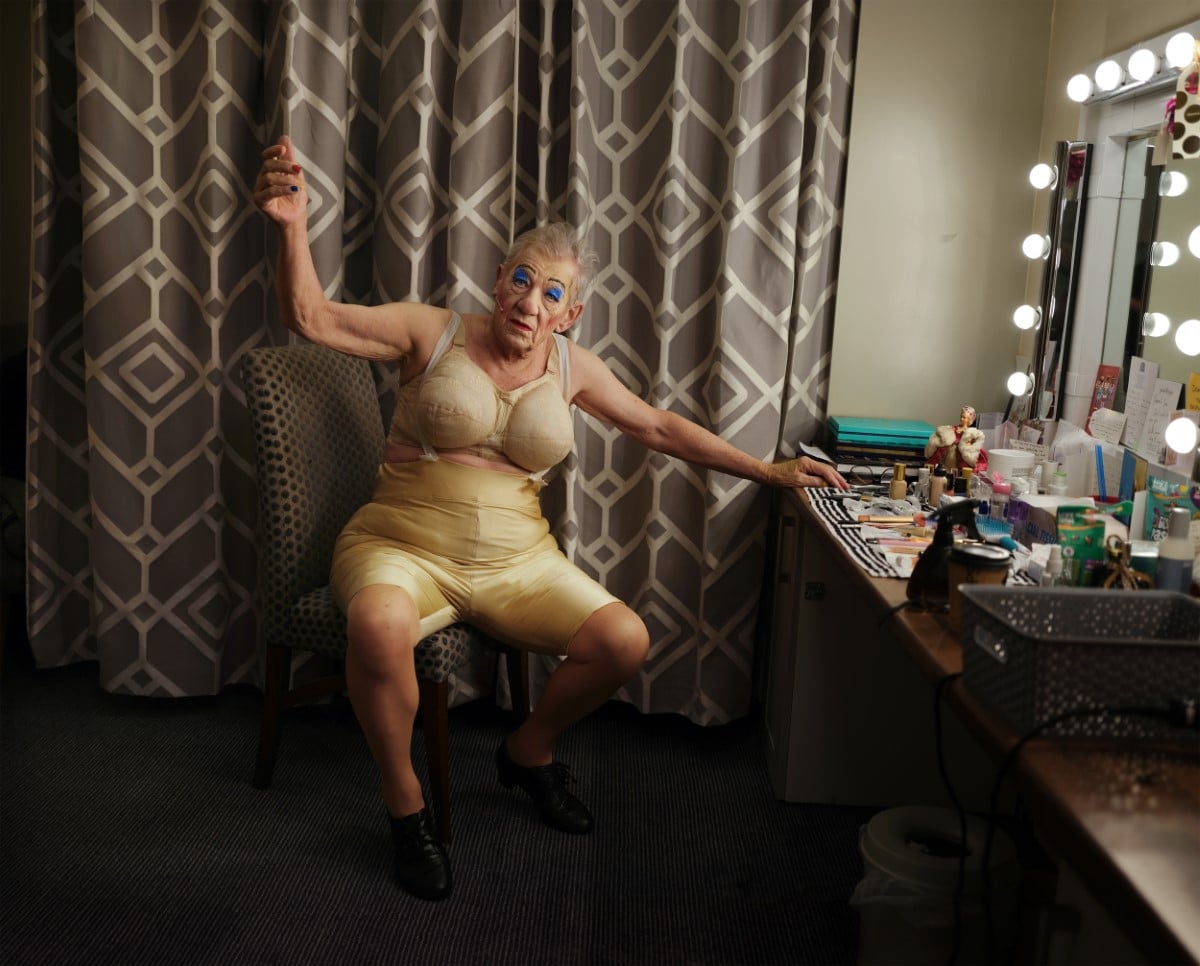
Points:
(130, 833)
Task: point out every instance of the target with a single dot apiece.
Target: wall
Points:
(954, 102)
(946, 124)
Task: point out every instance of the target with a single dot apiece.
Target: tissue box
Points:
(1034, 518)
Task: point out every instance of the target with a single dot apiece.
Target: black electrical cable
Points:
(997, 782)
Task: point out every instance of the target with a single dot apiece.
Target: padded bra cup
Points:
(460, 407)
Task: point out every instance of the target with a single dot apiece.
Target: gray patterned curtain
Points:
(700, 142)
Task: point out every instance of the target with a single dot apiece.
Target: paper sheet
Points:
(1163, 399)
(1107, 425)
(1142, 376)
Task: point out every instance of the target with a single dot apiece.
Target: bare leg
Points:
(605, 652)
(384, 628)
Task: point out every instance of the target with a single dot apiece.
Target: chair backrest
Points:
(318, 439)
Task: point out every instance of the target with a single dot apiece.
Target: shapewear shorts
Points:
(468, 544)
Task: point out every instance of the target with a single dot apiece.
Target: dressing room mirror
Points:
(1172, 284)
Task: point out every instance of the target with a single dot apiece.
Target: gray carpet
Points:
(130, 833)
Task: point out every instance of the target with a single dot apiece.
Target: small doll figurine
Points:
(954, 447)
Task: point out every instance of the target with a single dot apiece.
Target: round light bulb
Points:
(1109, 75)
(1181, 435)
(1155, 324)
(1194, 241)
(1179, 49)
(1164, 254)
(1079, 88)
(1172, 184)
(1187, 337)
(1020, 384)
(1043, 176)
(1143, 64)
(1036, 246)
(1027, 316)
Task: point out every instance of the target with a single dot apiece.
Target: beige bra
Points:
(453, 404)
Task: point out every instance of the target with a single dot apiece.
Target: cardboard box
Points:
(1034, 518)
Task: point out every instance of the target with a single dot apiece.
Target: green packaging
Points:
(1081, 536)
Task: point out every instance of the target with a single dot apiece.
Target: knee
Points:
(615, 637)
(383, 626)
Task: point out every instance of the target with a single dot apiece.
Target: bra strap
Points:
(439, 350)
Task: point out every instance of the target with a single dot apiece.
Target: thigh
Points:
(360, 562)
(537, 604)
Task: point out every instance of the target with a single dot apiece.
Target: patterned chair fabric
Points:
(319, 436)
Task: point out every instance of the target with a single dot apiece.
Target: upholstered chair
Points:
(319, 437)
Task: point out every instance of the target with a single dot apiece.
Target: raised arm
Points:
(598, 392)
(393, 331)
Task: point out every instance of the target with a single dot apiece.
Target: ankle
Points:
(525, 754)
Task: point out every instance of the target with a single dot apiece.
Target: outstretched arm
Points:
(375, 332)
(598, 392)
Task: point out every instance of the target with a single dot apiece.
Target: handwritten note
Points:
(1107, 425)
(1163, 400)
(1142, 375)
(1193, 392)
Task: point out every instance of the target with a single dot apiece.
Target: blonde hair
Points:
(560, 241)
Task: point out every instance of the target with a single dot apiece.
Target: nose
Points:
(527, 303)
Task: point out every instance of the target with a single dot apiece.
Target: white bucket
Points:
(906, 898)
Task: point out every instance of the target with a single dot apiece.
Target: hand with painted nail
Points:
(279, 189)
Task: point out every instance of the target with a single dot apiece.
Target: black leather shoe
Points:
(546, 785)
(422, 867)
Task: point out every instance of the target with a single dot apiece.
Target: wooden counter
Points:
(1125, 817)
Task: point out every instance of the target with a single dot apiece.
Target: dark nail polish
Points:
(294, 188)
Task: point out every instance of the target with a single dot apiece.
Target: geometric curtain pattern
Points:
(701, 145)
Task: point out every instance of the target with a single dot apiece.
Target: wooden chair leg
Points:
(517, 663)
(274, 696)
(435, 698)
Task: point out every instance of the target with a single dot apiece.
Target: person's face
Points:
(533, 299)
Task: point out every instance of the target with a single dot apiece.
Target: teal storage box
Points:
(866, 430)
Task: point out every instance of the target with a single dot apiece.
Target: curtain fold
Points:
(702, 145)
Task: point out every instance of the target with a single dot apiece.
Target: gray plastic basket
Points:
(1031, 653)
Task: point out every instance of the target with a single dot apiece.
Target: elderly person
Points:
(454, 530)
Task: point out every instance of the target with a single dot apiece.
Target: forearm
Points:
(685, 440)
(302, 303)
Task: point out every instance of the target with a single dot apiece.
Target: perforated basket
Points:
(1031, 653)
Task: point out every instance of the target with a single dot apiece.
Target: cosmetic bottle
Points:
(1175, 553)
(899, 487)
(937, 486)
(1052, 576)
(1001, 492)
(1058, 483)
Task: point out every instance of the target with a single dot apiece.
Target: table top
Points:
(1126, 815)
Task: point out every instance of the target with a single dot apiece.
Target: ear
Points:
(570, 318)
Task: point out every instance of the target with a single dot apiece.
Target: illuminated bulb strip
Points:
(1181, 435)
(1109, 76)
(1171, 184)
(1026, 316)
(1164, 254)
(1142, 64)
(1187, 337)
(1036, 246)
(1020, 384)
(1043, 176)
(1079, 88)
(1194, 241)
(1155, 324)
(1180, 50)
